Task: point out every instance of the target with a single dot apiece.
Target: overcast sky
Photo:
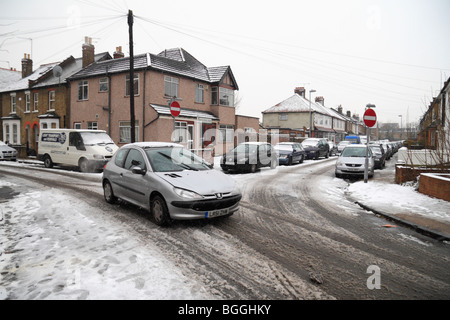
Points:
(394, 53)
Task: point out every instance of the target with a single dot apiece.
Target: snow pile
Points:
(399, 198)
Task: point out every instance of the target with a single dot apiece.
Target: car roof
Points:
(356, 146)
(153, 144)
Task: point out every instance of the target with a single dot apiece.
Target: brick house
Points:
(292, 117)
(100, 99)
(7, 76)
(39, 100)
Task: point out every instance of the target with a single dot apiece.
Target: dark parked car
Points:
(290, 152)
(316, 147)
(379, 156)
(250, 156)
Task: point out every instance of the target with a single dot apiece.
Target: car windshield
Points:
(246, 148)
(308, 143)
(283, 147)
(354, 152)
(376, 150)
(96, 138)
(174, 159)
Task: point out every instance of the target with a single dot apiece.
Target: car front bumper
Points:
(201, 209)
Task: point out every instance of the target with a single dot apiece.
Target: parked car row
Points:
(351, 161)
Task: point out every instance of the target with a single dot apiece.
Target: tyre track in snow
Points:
(339, 247)
(279, 245)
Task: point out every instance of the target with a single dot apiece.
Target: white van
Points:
(89, 150)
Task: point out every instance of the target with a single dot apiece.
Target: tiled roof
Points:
(43, 76)
(175, 61)
(8, 76)
(297, 103)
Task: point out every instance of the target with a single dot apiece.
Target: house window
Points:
(27, 102)
(7, 137)
(199, 93)
(51, 100)
(214, 96)
(283, 116)
(35, 101)
(13, 103)
(103, 85)
(92, 125)
(226, 97)
(125, 131)
(180, 133)
(77, 125)
(15, 134)
(226, 133)
(171, 85)
(135, 84)
(83, 90)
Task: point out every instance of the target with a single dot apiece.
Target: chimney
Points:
(300, 91)
(27, 65)
(118, 53)
(340, 109)
(320, 100)
(349, 114)
(88, 52)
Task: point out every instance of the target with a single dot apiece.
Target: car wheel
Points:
(159, 211)
(48, 163)
(317, 156)
(326, 155)
(83, 165)
(108, 193)
(290, 161)
(302, 158)
(253, 168)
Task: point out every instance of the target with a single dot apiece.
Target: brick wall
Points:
(435, 185)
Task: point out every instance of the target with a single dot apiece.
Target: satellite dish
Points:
(57, 71)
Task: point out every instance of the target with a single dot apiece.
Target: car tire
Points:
(83, 164)
(108, 193)
(48, 163)
(316, 156)
(302, 158)
(253, 168)
(159, 211)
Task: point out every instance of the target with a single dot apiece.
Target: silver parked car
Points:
(170, 181)
(7, 153)
(351, 162)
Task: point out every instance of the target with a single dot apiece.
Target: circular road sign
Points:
(370, 118)
(175, 109)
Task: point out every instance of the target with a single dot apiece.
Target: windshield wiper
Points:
(183, 165)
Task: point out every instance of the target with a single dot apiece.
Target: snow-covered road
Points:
(296, 236)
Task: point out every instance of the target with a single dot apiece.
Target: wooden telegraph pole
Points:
(132, 117)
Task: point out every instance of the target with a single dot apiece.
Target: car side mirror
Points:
(138, 170)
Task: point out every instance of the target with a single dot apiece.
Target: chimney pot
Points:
(118, 53)
(88, 52)
(300, 91)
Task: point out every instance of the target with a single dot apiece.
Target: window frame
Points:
(83, 90)
(51, 100)
(135, 82)
(171, 83)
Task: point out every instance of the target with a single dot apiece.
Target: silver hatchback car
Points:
(170, 181)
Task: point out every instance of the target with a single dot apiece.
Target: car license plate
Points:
(216, 213)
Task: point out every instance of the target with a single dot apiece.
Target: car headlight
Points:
(98, 157)
(283, 156)
(183, 193)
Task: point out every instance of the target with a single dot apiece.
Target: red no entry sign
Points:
(370, 118)
(175, 109)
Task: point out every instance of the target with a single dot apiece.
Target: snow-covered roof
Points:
(297, 103)
(43, 76)
(8, 76)
(188, 113)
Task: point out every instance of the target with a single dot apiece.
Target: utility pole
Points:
(132, 117)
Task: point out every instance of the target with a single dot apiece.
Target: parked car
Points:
(250, 156)
(316, 147)
(379, 156)
(351, 162)
(333, 147)
(290, 152)
(170, 181)
(7, 153)
(353, 139)
(341, 145)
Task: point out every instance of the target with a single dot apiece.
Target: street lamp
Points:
(401, 120)
(310, 115)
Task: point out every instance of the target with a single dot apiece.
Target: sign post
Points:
(370, 118)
